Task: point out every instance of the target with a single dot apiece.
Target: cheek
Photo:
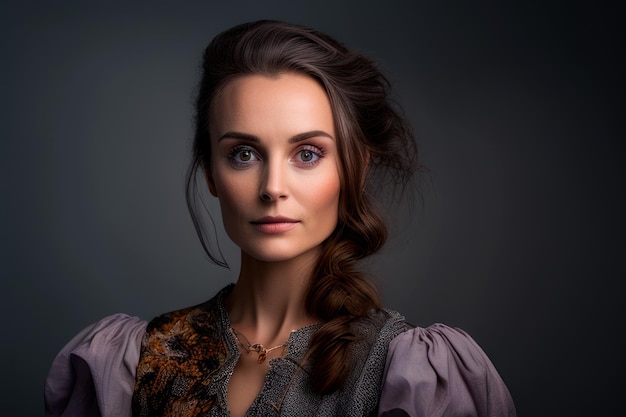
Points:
(234, 200)
(324, 196)
(234, 193)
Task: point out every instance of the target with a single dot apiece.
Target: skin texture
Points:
(273, 155)
(271, 175)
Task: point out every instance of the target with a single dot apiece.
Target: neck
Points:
(268, 301)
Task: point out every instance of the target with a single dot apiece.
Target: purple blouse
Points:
(434, 371)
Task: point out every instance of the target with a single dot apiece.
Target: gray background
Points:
(519, 239)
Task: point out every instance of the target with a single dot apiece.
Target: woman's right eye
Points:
(242, 156)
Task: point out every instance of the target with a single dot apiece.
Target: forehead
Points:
(288, 101)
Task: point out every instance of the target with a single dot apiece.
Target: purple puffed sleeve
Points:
(94, 374)
(440, 371)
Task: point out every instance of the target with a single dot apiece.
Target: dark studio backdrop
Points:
(519, 238)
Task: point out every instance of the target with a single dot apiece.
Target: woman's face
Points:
(274, 164)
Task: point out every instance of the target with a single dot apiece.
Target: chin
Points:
(279, 253)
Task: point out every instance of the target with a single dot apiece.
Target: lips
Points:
(275, 224)
(274, 219)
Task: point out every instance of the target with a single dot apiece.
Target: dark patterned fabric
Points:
(187, 357)
(180, 355)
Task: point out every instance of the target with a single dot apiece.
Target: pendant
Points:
(261, 351)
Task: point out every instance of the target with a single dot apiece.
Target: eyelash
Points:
(235, 152)
(316, 150)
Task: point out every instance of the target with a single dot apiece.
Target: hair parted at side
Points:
(376, 152)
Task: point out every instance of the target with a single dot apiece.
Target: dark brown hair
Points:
(376, 152)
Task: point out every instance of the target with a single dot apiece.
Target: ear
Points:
(208, 175)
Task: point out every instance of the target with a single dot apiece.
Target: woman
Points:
(294, 136)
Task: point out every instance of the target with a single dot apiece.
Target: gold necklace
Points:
(261, 350)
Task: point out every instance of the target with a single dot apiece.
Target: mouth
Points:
(275, 224)
(274, 219)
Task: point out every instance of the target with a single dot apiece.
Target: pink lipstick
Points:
(275, 224)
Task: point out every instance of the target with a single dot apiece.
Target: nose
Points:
(273, 185)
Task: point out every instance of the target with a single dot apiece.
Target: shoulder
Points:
(209, 313)
(116, 336)
(187, 333)
(114, 331)
(201, 322)
(181, 352)
(97, 367)
(441, 370)
(379, 324)
(437, 342)
(372, 334)
(193, 335)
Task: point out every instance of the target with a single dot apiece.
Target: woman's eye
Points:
(245, 155)
(242, 156)
(309, 156)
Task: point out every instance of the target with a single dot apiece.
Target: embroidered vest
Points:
(188, 356)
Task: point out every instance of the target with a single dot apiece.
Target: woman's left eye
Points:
(309, 156)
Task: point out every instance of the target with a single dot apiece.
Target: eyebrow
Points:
(294, 139)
